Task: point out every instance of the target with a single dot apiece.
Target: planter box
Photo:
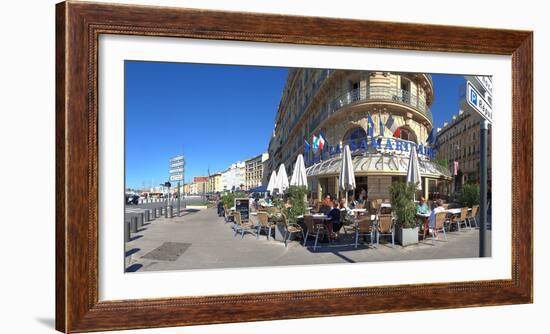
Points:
(406, 236)
(280, 232)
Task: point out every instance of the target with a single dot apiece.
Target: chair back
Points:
(463, 213)
(237, 218)
(364, 225)
(308, 221)
(284, 220)
(474, 210)
(263, 218)
(385, 223)
(374, 206)
(440, 219)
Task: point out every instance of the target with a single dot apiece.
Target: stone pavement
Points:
(202, 240)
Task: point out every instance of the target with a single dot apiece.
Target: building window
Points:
(354, 134)
(405, 133)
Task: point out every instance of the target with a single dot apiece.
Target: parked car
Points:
(132, 199)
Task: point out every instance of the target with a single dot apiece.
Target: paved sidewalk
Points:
(202, 240)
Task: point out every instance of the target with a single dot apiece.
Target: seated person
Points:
(438, 207)
(422, 207)
(352, 203)
(326, 205)
(334, 214)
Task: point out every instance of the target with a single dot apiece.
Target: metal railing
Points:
(380, 94)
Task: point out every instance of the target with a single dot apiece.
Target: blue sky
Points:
(214, 114)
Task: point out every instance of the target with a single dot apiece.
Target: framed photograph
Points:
(217, 167)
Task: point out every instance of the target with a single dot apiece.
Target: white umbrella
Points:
(299, 177)
(282, 179)
(413, 170)
(272, 181)
(347, 174)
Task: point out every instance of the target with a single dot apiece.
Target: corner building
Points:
(337, 103)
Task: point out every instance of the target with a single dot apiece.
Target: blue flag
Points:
(370, 129)
(432, 137)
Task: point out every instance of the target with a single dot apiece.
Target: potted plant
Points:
(294, 207)
(404, 208)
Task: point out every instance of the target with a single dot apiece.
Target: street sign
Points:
(176, 168)
(478, 103)
(486, 83)
(176, 177)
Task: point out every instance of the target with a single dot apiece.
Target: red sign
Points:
(200, 179)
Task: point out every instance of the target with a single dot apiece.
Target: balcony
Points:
(394, 95)
(373, 94)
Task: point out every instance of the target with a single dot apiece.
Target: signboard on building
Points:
(478, 103)
(200, 179)
(176, 168)
(242, 205)
(486, 83)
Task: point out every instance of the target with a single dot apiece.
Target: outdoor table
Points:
(456, 211)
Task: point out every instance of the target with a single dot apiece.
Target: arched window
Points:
(354, 134)
(405, 133)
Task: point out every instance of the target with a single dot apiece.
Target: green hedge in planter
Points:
(402, 195)
(296, 196)
(470, 195)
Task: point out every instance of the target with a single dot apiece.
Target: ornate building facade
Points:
(381, 115)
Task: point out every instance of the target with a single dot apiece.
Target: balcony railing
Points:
(380, 94)
(371, 94)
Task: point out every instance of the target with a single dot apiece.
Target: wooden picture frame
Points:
(78, 26)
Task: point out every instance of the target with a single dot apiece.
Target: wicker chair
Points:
(385, 227)
(460, 219)
(440, 219)
(473, 214)
(242, 227)
(227, 215)
(363, 227)
(291, 228)
(374, 207)
(313, 229)
(264, 224)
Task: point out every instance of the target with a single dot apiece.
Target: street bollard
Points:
(169, 212)
(157, 213)
(126, 231)
(141, 217)
(133, 224)
(164, 212)
(146, 215)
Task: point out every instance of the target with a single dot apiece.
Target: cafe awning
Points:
(378, 164)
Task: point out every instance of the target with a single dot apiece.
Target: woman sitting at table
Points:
(422, 207)
(334, 224)
(326, 205)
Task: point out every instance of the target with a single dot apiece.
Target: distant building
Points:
(233, 178)
(215, 183)
(458, 139)
(254, 171)
(201, 184)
